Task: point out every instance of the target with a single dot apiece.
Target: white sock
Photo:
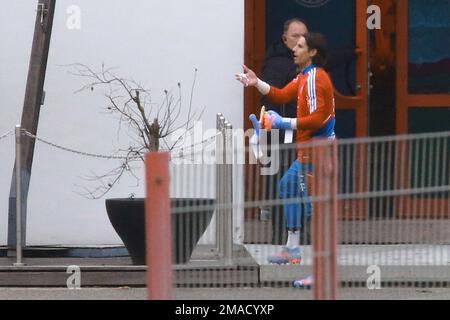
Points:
(293, 239)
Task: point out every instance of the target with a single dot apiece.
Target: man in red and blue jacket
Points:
(315, 119)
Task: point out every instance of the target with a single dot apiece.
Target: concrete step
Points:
(204, 269)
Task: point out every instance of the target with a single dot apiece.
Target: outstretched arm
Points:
(278, 96)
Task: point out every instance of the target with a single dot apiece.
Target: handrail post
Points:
(224, 190)
(220, 157)
(18, 133)
(228, 181)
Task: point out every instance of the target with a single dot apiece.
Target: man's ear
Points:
(284, 38)
(312, 53)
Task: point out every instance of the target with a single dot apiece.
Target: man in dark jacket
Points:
(279, 69)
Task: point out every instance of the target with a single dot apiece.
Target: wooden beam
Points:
(362, 69)
(255, 47)
(431, 101)
(255, 34)
(31, 109)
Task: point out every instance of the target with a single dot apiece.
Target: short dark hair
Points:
(315, 40)
(288, 23)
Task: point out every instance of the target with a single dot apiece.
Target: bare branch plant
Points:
(149, 124)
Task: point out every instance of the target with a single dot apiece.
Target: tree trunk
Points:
(154, 136)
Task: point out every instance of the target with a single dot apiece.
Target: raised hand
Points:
(248, 78)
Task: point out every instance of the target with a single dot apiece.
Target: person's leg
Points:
(269, 184)
(307, 208)
(308, 211)
(289, 189)
(288, 155)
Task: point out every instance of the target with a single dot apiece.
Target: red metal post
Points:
(325, 217)
(318, 230)
(158, 227)
(334, 213)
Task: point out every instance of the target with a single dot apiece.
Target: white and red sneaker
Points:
(304, 283)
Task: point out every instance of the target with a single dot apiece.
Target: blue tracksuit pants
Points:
(294, 185)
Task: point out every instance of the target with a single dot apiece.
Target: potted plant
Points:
(132, 103)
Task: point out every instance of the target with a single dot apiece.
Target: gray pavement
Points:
(222, 294)
(398, 263)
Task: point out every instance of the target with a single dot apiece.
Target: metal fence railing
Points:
(395, 209)
(375, 212)
(187, 194)
(391, 199)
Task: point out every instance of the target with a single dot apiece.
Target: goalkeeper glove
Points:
(273, 120)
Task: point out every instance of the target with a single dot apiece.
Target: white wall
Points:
(157, 43)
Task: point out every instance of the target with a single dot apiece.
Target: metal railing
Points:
(222, 174)
(392, 201)
(224, 189)
(393, 205)
(394, 198)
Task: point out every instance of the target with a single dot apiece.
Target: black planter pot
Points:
(127, 216)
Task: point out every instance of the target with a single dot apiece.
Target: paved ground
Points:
(222, 294)
(396, 263)
(414, 263)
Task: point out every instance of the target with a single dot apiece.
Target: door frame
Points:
(405, 101)
(255, 46)
(408, 206)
